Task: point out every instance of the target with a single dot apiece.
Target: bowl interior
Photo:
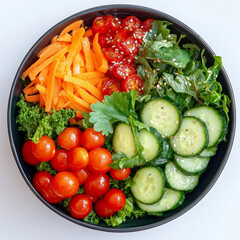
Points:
(216, 164)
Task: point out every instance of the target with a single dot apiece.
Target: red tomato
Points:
(65, 184)
(116, 24)
(130, 46)
(147, 24)
(102, 209)
(115, 199)
(123, 70)
(41, 180)
(92, 198)
(59, 162)
(28, 154)
(120, 174)
(131, 23)
(112, 54)
(112, 85)
(80, 206)
(82, 175)
(78, 158)
(99, 160)
(119, 37)
(133, 82)
(50, 196)
(101, 24)
(129, 60)
(96, 184)
(92, 139)
(139, 34)
(105, 40)
(70, 138)
(44, 150)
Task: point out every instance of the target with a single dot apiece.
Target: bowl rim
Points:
(217, 173)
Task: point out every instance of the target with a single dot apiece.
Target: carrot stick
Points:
(44, 64)
(77, 100)
(76, 64)
(50, 85)
(100, 59)
(70, 27)
(75, 45)
(99, 85)
(54, 39)
(87, 55)
(60, 103)
(41, 89)
(43, 74)
(86, 85)
(54, 47)
(30, 85)
(32, 98)
(91, 75)
(30, 91)
(86, 96)
(45, 56)
(88, 33)
(65, 38)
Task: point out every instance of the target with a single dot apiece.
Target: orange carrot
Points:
(72, 26)
(88, 33)
(86, 85)
(76, 64)
(77, 100)
(87, 55)
(54, 39)
(65, 38)
(43, 74)
(51, 49)
(30, 91)
(41, 89)
(87, 97)
(50, 85)
(32, 98)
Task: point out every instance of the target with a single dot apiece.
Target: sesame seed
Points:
(148, 75)
(145, 70)
(174, 145)
(190, 84)
(174, 60)
(154, 71)
(175, 64)
(187, 78)
(177, 122)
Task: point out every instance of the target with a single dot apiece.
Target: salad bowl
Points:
(217, 163)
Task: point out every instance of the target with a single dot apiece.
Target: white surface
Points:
(23, 216)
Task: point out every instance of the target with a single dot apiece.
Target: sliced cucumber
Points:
(170, 200)
(123, 140)
(208, 152)
(150, 141)
(161, 115)
(191, 138)
(148, 185)
(212, 119)
(178, 180)
(191, 165)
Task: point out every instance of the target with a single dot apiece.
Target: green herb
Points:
(46, 166)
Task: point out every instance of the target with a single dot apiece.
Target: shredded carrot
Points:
(77, 100)
(30, 91)
(41, 89)
(65, 38)
(32, 98)
(72, 26)
(86, 96)
(54, 39)
(43, 74)
(50, 85)
(87, 55)
(88, 33)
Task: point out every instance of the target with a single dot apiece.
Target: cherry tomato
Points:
(92, 139)
(80, 206)
(82, 175)
(78, 158)
(120, 174)
(44, 150)
(102, 209)
(112, 85)
(101, 24)
(119, 37)
(139, 34)
(59, 161)
(129, 60)
(28, 154)
(131, 23)
(96, 184)
(133, 82)
(92, 198)
(99, 160)
(130, 46)
(65, 184)
(105, 40)
(41, 180)
(116, 24)
(147, 24)
(115, 199)
(70, 138)
(50, 196)
(112, 55)
(123, 70)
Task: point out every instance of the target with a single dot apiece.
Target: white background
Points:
(22, 215)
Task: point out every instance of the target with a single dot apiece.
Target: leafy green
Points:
(92, 217)
(46, 166)
(85, 122)
(120, 160)
(35, 122)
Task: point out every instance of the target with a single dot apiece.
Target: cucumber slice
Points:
(148, 185)
(191, 138)
(191, 165)
(150, 141)
(212, 119)
(123, 140)
(170, 200)
(208, 152)
(161, 115)
(178, 180)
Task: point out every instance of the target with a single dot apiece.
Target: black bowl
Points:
(207, 179)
